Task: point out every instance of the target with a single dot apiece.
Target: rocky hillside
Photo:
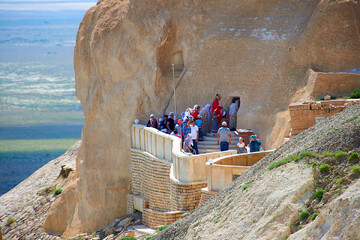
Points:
(309, 188)
(24, 208)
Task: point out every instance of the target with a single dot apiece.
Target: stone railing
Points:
(186, 168)
(225, 169)
(153, 141)
(192, 168)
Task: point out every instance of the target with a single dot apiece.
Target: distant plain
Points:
(40, 116)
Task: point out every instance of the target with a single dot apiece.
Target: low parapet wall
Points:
(225, 169)
(334, 84)
(305, 115)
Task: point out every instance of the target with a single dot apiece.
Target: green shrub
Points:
(296, 159)
(216, 220)
(300, 227)
(324, 168)
(163, 227)
(319, 194)
(314, 164)
(355, 94)
(356, 169)
(330, 128)
(245, 186)
(57, 191)
(328, 154)
(353, 118)
(340, 154)
(282, 162)
(146, 238)
(9, 221)
(354, 157)
(314, 216)
(307, 154)
(304, 215)
(127, 238)
(339, 180)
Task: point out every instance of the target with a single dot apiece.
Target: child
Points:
(188, 144)
(241, 146)
(176, 134)
(199, 123)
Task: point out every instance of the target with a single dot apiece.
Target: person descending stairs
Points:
(209, 143)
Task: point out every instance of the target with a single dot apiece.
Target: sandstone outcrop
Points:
(255, 50)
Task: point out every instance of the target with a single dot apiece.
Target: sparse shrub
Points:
(127, 238)
(9, 221)
(356, 170)
(328, 154)
(300, 227)
(340, 154)
(355, 94)
(307, 154)
(314, 164)
(330, 128)
(57, 191)
(339, 180)
(304, 215)
(296, 159)
(146, 238)
(216, 220)
(314, 216)
(354, 157)
(282, 162)
(319, 194)
(163, 227)
(353, 118)
(325, 168)
(245, 186)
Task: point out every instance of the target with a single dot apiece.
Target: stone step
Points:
(202, 143)
(210, 135)
(201, 151)
(207, 138)
(214, 147)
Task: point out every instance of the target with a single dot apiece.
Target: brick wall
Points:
(185, 196)
(150, 178)
(164, 201)
(206, 195)
(305, 115)
(154, 219)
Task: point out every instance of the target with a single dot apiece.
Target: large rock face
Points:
(247, 49)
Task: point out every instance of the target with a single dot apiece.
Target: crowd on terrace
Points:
(192, 125)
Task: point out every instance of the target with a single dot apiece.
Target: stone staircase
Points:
(209, 143)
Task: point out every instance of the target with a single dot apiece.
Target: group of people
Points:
(190, 128)
(224, 140)
(253, 146)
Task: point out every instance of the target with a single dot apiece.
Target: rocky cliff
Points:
(256, 50)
